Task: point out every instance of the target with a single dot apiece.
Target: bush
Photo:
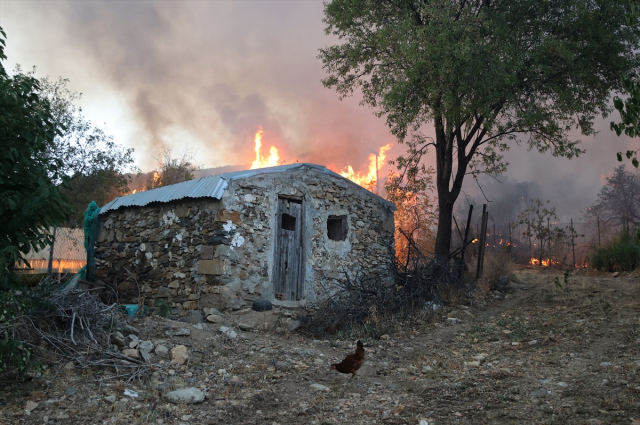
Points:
(621, 254)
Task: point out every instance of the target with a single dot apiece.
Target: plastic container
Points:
(132, 310)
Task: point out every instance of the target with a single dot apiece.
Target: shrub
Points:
(620, 254)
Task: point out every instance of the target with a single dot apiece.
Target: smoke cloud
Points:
(207, 74)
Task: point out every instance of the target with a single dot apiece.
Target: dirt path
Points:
(540, 355)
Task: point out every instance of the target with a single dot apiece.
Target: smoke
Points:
(206, 75)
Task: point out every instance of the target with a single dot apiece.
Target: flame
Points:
(368, 181)
(545, 263)
(474, 240)
(261, 161)
(57, 266)
(134, 191)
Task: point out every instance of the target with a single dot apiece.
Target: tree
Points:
(619, 200)
(95, 165)
(482, 73)
(173, 170)
(30, 180)
(537, 218)
(629, 109)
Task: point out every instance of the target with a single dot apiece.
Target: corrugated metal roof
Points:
(214, 187)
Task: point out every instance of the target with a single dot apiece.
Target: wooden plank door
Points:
(288, 276)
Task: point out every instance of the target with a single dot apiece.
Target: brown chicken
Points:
(352, 362)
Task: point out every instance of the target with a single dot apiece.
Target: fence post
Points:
(598, 231)
(529, 235)
(510, 244)
(464, 242)
(53, 241)
(573, 247)
(483, 237)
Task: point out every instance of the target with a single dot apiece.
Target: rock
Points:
(319, 362)
(221, 298)
(516, 286)
(245, 327)
(533, 342)
(594, 421)
(179, 354)
(209, 311)
(186, 396)
(539, 393)
(214, 318)
(196, 316)
(162, 350)
(111, 399)
(235, 381)
(146, 356)
(397, 410)
(615, 274)
(319, 387)
(228, 332)
(562, 384)
(499, 284)
(131, 352)
(453, 320)
(70, 391)
(178, 332)
(385, 337)
(282, 366)
(117, 339)
(293, 325)
(30, 406)
(134, 344)
(262, 305)
(474, 363)
(128, 330)
(146, 345)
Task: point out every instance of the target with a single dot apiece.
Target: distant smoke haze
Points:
(206, 75)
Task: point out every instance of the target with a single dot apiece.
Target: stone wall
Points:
(202, 253)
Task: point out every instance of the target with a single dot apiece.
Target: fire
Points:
(134, 191)
(261, 162)
(474, 240)
(546, 263)
(370, 180)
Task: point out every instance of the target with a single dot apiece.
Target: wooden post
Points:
(464, 241)
(573, 247)
(598, 231)
(529, 234)
(510, 244)
(549, 234)
(53, 241)
(481, 240)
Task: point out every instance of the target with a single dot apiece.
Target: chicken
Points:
(352, 362)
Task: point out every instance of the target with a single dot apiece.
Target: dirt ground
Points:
(540, 355)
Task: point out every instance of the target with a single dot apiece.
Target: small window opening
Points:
(337, 227)
(288, 222)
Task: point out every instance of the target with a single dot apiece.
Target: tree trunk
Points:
(445, 214)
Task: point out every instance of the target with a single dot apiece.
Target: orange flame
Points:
(368, 181)
(261, 162)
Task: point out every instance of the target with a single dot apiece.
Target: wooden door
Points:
(288, 276)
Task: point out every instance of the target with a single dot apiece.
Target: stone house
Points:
(281, 233)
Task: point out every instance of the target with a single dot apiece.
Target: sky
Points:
(206, 75)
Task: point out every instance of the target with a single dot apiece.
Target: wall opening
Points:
(337, 227)
(288, 222)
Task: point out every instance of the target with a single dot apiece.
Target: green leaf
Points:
(619, 154)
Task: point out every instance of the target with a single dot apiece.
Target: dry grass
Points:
(498, 264)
